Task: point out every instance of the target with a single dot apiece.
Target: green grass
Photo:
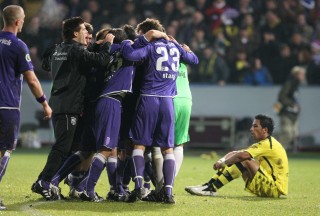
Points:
(303, 199)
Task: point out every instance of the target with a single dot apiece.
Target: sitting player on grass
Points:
(263, 166)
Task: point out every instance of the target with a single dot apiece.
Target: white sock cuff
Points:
(101, 157)
(178, 149)
(137, 152)
(169, 156)
(7, 154)
(156, 150)
(112, 159)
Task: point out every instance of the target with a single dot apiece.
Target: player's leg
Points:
(164, 138)
(148, 177)
(107, 126)
(87, 146)
(261, 183)
(169, 175)
(157, 160)
(64, 130)
(9, 128)
(111, 167)
(247, 169)
(69, 165)
(182, 113)
(142, 131)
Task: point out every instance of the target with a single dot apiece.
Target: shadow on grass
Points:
(63, 206)
(252, 198)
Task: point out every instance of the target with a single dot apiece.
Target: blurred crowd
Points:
(249, 42)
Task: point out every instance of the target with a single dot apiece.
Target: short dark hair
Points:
(266, 122)
(89, 27)
(71, 25)
(119, 35)
(150, 24)
(130, 31)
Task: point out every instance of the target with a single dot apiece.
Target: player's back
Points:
(161, 69)
(14, 60)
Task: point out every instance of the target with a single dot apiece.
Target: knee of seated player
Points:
(251, 167)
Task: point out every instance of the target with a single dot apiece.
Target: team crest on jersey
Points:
(73, 120)
(28, 58)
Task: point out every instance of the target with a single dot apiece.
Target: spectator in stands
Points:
(199, 41)
(242, 42)
(304, 28)
(212, 68)
(200, 5)
(283, 64)
(296, 43)
(213, 15)
(276, 26)
(240, 67)
(253, 30)
(167, 13)
(313, 69)
(197, 22)
(258, 75)
(268, 50)
(288, 11)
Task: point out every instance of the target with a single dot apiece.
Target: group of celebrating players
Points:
(133, 90)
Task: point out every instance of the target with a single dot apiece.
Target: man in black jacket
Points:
(69, 64)
(289, 107)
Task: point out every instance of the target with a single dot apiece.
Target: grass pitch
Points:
(303, 199)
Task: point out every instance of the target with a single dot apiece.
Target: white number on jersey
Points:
(173, 52)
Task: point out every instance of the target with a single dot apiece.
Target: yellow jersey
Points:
(273, 158)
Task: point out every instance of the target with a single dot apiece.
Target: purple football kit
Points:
(15, 59)
(154, 117)
(108, 111)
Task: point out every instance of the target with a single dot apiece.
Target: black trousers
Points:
(64, 130)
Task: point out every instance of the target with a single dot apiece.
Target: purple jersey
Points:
(14, 60)
(161, 60)
(119, 81)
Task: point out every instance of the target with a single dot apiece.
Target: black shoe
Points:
(111, 196)
(39, 189)
(2, 206)
(169, 199)
(135, 195)
(153, 196)
(122, 197)
(85, 197)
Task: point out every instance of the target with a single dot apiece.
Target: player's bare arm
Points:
(231, 158)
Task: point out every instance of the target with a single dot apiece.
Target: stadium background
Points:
(226, 35)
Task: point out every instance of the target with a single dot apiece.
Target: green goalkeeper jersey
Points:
(182, 83)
